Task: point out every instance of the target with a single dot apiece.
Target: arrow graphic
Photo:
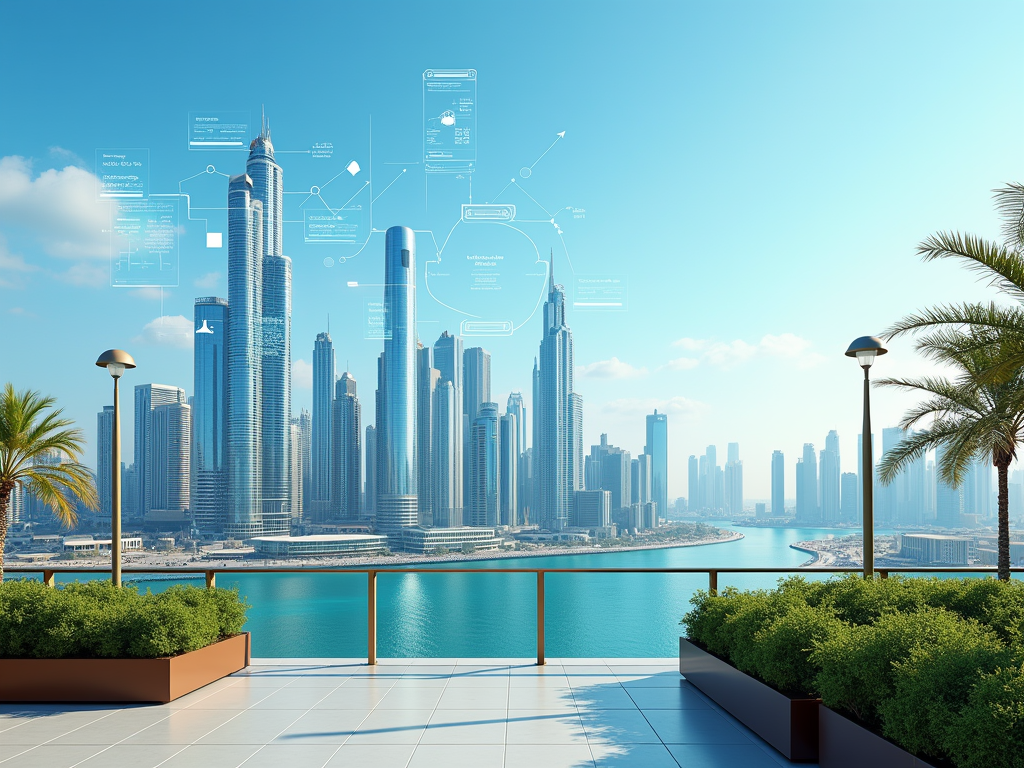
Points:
(560, 135)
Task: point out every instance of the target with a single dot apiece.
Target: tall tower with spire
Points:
(276, 300)
(558, 416)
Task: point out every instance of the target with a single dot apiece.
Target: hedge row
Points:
(96, 620)
(936, 665)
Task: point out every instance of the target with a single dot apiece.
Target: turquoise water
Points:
(461, 615)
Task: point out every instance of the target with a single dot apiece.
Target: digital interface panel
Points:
(123, 173)
(449, 120)
(322, 225)
(144, 243)
(218, 130)
(599, 292)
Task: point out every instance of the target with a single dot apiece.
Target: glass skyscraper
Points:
(209, 415)
(244, 508)
(448, 447)
(320, 445)
(657, 449)
(778, 484)
(396, 387)
(104, 458)
(485, 463)
(148, 397)
(346, 429)
(427, 377)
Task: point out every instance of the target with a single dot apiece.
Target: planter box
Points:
(842, 743)
(121, 680)
(789, 725)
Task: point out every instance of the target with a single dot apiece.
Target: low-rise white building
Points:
(321, 545)
(89, 544)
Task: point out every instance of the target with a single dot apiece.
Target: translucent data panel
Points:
(322, 225)
(218, 130)
(144, 243)
(375, 324)
(488, 213)
(449, 120)
(600, 292)
(123, 173)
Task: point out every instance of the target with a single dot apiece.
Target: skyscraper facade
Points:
(657, 449)
(346, 435)
(557, 422)
(170, 451)
(848, 495)
(209, 415)
(148, 397)
(320, 428)
(277, 393)
(508, 469)
(778, 484)
(244, 505)
(692, 484)
(427, 377)
(450, 433)
(829, 488)
(304, 423)
(807, 486)
(516, 407)
(396, 424)
(370, 467)
(477, 380)
(485, 467)
(104, 458)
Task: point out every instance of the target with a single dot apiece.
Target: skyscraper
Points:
(170, 450)
(829, 493)
(450, 433)
(508, 469)
(733, 481)
(346, 434)
(485, 467)
(209, 415)
(778, 484)
(299, 454)
(948, 500)
(277, 392)
(304, 423)
(244, 513)
(104, 458)
(320, 431)
(516, 407)
(427, 377)
(692, 484)
(657, 449)
(807, 486)
(370, 466)
(396, 423)
(849, 493)
(558, 428)
(148, 397)
(477, 380)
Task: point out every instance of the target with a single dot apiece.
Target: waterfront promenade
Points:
(432, 713)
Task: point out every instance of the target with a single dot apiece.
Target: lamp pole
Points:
(866, 349)
(116, 361)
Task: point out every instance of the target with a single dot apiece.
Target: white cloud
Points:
(156, 294)
(59, 207)
(209, 280)
(86, 274)
(729, 354)
(12, 267)
(168, 331)
(66, 155)
(609, 369)
(302, 375)
(638, 406)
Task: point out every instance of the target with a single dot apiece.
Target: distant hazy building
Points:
(641, 481)
(346, 457)
(450, 433)
(209, 415)
(477, 380)
(733, 481)
(148, 397)
(807, 486)
(485, 467)
(829, 489)
(427, 378)
(320, 431)
(370, 472)
(593, 509)
(849, 493)
(977, 490)
(657, 448)
(104, 459)
(948, 499)
(517, 408)
(693, 484)
(304, 423)
(508, 470)
(760, 510)
(778, 484)
(610, 468)
(170, 446)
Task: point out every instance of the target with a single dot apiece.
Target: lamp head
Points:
(866, 349)
(115, 361)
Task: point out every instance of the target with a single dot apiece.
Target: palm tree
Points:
(29, 430)
(972, 416)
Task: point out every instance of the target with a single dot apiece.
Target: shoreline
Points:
(179, 560)
(815, 560)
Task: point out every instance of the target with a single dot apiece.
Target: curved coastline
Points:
(815, 560)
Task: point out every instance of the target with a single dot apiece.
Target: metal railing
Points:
(49, 575)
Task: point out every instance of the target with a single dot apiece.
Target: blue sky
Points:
(758, 173)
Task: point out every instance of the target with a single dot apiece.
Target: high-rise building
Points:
(170, 449)
(526, 487)
(829, 470)
(396, 422)
(447, 453)
(324, 375)
(733, 482)
(104, 458)
(485, 467)
(297, 452)
(929, 492)
(778, 484)
(427, 377)
(849, 493)
(516, 407)
(807, 486)
(640, 480)
(733, 453)
(304, 423)
(370, 467)
(477, 381)
(148, 397)
(657, 448)
(692, 484)
(508, 469)
(977, 489)
(592, 509)
(277, 393)
(244, 505)
(610, 469)
(557, 418)
(346, 456)
(209, 415)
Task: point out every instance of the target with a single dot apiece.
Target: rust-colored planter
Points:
(789, 725)
(121, 680)
(842, 743)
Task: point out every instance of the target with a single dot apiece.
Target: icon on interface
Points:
(353, 168)
(205, 328)
(447, 117)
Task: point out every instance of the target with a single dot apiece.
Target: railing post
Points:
(540, 619)
(48, 578)
(211, 579)
(713, 582)
(371, 618)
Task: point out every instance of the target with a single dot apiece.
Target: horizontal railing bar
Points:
(400, 569)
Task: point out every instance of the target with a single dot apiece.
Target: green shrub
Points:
(989, 731)
(96, 620)
(781, 650)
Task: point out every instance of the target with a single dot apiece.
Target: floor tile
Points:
(478, 681)
(391, 726)
(231, 698)
(293, 698)
(666, 698)
(474, 698)
(353, 698)
(664, 680)
(211, 756)
(603, 697)
(544, 727)
(253, 726)
(636, 756)
(545, 698)
(44, 729)
(372, 756)
(693, 726)
(291, 756)
(184, 726)
(473, 726)
(411, 698)
(322, 726)
(131, 756)
(548, 756)
(721, 756)
(615, 726)
(458, 756)
(52, 756)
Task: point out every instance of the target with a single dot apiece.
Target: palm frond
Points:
(1001, 266)
(957, 316)
(1010, 205)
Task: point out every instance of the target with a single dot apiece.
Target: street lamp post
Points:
(116, 361)
(866, 349)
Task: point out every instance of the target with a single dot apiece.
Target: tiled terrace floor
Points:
(470, 713)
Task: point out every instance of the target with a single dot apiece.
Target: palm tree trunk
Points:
(6, 489)
(1003, 561)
